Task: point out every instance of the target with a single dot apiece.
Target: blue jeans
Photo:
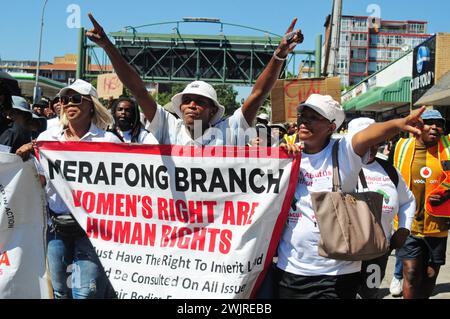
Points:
(398, 272)
(76, 255)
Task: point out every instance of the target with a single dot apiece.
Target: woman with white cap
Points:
(301, 272)
(197, 106)
(382, 177)
(83, 118)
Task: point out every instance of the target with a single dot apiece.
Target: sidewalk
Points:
(442, 289)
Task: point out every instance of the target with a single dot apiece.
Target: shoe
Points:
(396, 288)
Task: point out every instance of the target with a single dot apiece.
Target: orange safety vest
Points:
(403, 158)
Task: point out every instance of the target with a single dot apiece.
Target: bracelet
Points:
(276, 57)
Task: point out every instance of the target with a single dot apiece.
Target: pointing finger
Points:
(94, 22)
(291, 27)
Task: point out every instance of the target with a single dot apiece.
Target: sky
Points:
(20, 22)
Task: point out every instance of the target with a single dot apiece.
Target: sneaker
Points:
(396, 287)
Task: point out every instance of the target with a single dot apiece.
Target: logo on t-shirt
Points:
(426, 172)
(386, 197)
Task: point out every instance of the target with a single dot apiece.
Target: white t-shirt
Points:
(298, 248)
(398, 200)
(53, 122)
(94, 134)
(143, 134)
(169, 130)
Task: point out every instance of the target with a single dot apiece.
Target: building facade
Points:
(63, 68)
(365, 47)
(19, 66)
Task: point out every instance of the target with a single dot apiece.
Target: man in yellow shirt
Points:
(423, 164)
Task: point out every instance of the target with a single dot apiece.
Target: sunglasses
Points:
(75, 99)
(430, 122)
(199, 100)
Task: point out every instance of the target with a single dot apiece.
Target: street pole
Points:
(37, 91)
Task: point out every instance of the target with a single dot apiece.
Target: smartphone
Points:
(290, 36)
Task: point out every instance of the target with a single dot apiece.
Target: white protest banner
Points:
(22, 231)
(173, 221)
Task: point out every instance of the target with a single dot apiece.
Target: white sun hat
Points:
(326, 106)
(199, 88)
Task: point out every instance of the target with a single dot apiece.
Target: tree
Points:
(227, 97)
(164, 97)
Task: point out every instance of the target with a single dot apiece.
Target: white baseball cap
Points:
(359, 124)
(82, 87)
(327, 107)
(199, 88)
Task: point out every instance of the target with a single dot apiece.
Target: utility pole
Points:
(37, 90)
(335, 37)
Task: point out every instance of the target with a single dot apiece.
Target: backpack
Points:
(389, 169)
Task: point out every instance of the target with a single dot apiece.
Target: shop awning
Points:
(387, 98)
(438, 94)
(349, 105)
(27, 81)
(379, 99)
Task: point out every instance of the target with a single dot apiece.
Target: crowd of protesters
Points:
(76, 114)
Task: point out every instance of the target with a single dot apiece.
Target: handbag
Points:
(65, 225)
(349, 223)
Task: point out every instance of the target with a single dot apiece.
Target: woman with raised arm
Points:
(301, 272)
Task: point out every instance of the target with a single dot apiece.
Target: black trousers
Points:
(291, 286)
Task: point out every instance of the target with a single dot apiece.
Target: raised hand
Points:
(289, 40)
(97, 34)
(413, 122)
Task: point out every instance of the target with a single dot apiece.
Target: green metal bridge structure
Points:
(175, 57)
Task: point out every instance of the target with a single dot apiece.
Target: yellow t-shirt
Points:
(418, 183)
(425, 168)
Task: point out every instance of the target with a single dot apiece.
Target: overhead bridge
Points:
(176, 57)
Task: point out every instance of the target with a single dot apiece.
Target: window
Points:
(344, 41)
(359, 24)
(345, 25)
(417, 28)
(358, 54)
(359, 39)
(358, 68)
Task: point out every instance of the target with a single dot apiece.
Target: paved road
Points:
(442, 289)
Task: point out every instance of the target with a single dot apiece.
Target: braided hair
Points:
(5, 91)
(136, 121)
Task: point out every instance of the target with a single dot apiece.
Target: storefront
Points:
(421, 77)
(431, 75)
(384, 95)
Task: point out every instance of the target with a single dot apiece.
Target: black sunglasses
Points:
(437, 122)
(74, 99)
